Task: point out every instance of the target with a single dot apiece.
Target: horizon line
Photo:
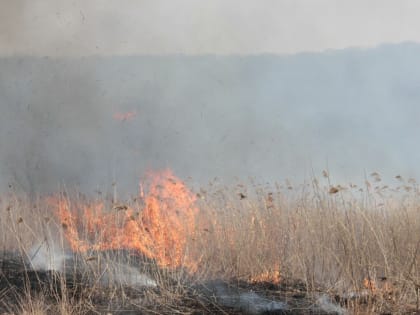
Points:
(213, 54)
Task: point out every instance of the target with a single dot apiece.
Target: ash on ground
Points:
(129, 279)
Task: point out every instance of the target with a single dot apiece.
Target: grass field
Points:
(358, 245)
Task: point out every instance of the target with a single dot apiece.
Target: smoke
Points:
(48, 256)
(253, 303)
(50, 120)
(270, 117)
(124, 274)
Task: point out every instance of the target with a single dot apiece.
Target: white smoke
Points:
(254, 303)
(125, 275)
(47, 256)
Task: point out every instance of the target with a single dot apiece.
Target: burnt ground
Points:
(18, 280)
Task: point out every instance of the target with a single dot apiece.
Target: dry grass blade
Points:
(286, 245)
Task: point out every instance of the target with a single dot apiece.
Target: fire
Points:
(272, 276)
(160, 229)
(382, 287)
(370, 285)
(125, 116)
(163, 225)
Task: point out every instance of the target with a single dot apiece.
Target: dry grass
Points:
(344, 240)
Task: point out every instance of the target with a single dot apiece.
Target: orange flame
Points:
(160, 230)
(272, 276)
(383, 286)
(125, 116)
(370, 285)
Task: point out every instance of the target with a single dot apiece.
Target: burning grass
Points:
(158, 226)
(163, 250)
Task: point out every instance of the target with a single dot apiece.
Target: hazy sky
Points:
(80, 27)
(271, 116)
